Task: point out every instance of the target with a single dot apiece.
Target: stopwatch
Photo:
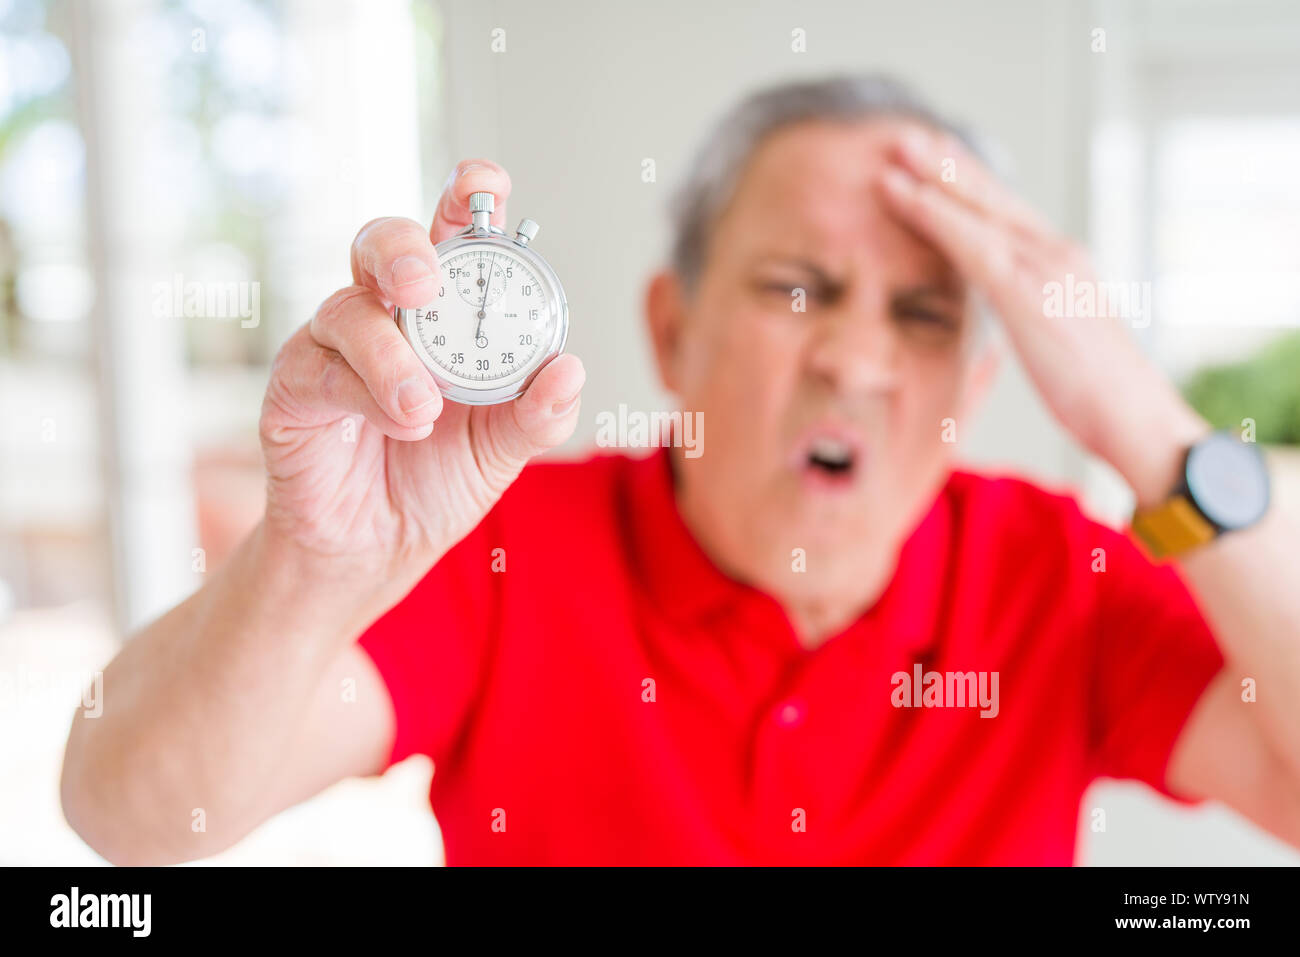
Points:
(499, 316)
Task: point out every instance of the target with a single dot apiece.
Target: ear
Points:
(665, 310)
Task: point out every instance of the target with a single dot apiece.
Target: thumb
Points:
(542, 417)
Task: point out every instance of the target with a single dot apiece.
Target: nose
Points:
(854, 348)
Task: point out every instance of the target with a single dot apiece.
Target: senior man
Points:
(746, 656)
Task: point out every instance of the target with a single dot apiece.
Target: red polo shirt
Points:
(593, 690)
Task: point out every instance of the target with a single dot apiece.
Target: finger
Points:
(929, 154)
(314, 386)
(540, 419)
(469, 176)
(394, 258)
(984, 251)
(354, 323)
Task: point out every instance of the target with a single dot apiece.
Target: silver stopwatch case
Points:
(481, 232)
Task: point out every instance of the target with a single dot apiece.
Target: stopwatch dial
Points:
(478, 277)
(485, 339)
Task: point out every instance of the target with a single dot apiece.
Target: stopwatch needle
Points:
(482, 308)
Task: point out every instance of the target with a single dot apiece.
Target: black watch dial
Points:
(1227, 480)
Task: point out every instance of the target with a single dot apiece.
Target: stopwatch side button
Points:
(526, 232)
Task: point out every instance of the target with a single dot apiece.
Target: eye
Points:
(932, 316)
(928, 316)
(806, 293)
(782, 295)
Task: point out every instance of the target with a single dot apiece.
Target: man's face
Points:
(824, 428)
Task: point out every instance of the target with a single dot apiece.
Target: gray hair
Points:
(732, 141)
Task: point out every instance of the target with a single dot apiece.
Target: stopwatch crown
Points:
(482, 202)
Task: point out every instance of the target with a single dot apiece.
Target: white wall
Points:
(585, 91)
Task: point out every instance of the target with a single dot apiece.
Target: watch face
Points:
(1227, 480)
(499, 316)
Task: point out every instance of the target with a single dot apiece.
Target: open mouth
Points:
(830, 461)
(831, 456)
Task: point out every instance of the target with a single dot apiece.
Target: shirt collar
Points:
(686, 587)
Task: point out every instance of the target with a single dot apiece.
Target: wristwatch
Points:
(1224, 487)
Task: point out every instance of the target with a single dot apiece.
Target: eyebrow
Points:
(805, 265)
(946, 290)
(953, 289)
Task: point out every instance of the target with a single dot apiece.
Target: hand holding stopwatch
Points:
(371, 467)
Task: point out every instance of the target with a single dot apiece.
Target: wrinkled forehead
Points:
(811, 187)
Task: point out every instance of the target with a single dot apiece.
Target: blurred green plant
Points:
(1264, 387)
(21, 111)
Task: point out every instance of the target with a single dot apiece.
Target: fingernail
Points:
(410, 269)
(915, 145)
(413, 395)
(561, 409)
(456, 172)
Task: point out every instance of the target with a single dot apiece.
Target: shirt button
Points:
(790, 714)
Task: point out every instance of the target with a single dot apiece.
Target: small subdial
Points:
(480, 281)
